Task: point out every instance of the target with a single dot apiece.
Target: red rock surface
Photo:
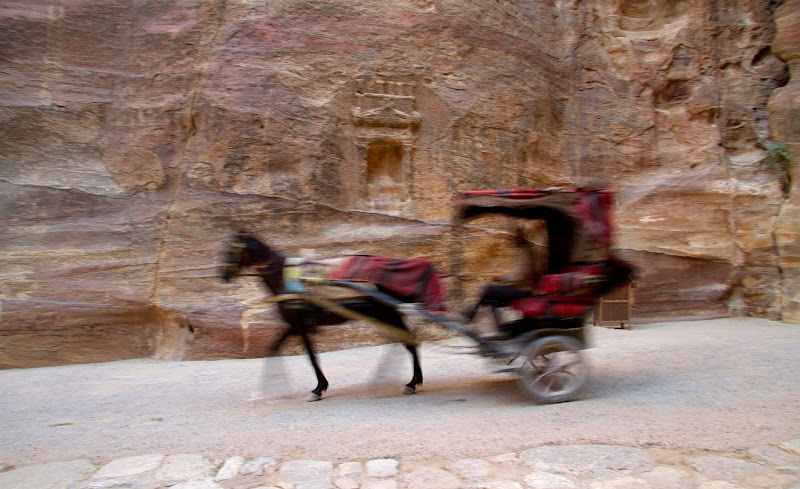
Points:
(136, 137)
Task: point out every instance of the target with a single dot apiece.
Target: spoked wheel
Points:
(553, 369)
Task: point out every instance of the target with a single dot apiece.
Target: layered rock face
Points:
(138, 137)
(784, 107)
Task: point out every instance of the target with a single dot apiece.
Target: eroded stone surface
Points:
(259, 466)
(668, 478)
(127, 466)
(470, 468)
(596, 460)
(126, 160)
(56, 475)
(726, 469)
(305, 472)
(683, 471)
(381, 468)
(432, 478)
(231, 468)
(183, 466)
(546, 480)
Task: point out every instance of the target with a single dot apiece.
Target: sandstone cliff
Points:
(137, 135)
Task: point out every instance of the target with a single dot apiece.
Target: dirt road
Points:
(726, 385)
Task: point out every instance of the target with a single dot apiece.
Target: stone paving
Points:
(543, 467)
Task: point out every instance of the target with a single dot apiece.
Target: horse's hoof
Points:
(313, 397)
(409, 390)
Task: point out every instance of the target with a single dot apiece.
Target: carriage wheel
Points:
(553, 369)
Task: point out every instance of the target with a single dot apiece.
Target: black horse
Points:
(303, 317)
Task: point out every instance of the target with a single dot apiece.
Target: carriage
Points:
(542, 344)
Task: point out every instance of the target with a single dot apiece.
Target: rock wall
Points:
(784, 107)
(137, 137)
(674, 113)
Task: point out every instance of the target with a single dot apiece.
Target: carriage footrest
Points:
(506, 369)
(501, 348)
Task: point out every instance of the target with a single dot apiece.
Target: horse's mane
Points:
(257, 249)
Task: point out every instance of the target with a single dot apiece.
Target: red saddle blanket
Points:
(415, 279)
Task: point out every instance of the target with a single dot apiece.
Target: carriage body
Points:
(544, 346)
(580, 266)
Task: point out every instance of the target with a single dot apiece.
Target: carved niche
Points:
(386, 123)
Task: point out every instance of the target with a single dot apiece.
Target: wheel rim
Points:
(554, 372)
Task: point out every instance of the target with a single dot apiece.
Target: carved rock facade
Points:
(136, 138)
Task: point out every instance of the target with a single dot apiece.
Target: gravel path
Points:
(724, 385)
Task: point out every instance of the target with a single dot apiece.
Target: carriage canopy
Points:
(578, 220)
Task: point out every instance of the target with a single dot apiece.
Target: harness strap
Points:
(283, 297)
(399, 334)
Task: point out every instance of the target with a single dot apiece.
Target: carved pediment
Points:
(386, 117)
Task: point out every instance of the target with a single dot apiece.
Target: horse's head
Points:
(236, 256)
(244, 251)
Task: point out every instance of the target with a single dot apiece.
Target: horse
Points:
(301, 316)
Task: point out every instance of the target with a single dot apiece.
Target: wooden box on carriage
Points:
(614, 308)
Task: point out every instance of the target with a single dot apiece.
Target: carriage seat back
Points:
(570, 281)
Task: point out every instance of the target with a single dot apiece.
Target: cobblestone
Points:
(382, 468)
(544, 467)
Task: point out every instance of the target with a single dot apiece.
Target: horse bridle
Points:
(236, 258)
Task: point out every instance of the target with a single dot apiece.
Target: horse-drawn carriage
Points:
(542, 345)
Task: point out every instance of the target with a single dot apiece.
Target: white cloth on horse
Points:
(310, 266)
(292, 271)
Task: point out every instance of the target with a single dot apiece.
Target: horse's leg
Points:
(322, 382)
(396, 320)
(411, 387)
(485, 299)
(268, 375)
(276, 345)
(393, 318)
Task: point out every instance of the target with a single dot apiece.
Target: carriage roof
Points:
(583, 214)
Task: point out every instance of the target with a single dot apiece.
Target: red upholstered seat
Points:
(531, 307)
(569, 309)
(570, 293)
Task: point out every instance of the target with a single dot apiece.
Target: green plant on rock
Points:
(779, 160)
(778, 157)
